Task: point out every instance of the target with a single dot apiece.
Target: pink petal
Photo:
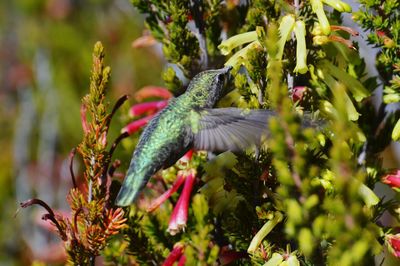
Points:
(141, 108)
(160, 200)
(152, 91)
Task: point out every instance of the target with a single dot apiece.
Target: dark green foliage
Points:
(306, 190)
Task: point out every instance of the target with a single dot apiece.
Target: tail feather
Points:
(127, 195)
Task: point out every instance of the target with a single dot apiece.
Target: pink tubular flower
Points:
(298, 93)
(393, 243)
(136, 125)
(175, 255)
(147, 107)
(180, 213)
(152, 91)
(392, 180)
(160, 200)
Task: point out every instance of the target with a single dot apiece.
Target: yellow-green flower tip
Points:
(228, 45)
(318, 8)
(338, 5)
(396, 131)
(285, 28)
(239, 57)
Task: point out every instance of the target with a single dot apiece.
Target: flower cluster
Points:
(147, 108)
(187, 177)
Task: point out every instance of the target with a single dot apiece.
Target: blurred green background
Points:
(45, 62)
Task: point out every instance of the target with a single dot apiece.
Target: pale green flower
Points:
(318, 8)
(301, 49)
(239, 57)
(338, 5)
(228, 45)
(285, 28)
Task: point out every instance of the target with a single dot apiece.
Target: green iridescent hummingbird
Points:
(189, 121)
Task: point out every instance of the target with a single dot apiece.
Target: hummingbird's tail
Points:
(133, 184)
(126, 196)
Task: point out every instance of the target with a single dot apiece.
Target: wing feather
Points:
(231, 129)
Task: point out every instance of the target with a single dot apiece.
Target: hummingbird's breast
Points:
(164, 140)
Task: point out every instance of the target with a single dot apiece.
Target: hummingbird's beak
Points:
(226, 69)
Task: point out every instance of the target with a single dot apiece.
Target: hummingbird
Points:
(190, 121)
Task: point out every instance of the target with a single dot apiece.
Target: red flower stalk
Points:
(152, 91)
(175, 255)
(393, 242)
(180, 213)
(148, 107)
(392, 180)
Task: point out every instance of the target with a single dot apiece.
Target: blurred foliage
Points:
(45, 67)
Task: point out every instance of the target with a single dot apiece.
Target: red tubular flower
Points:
(136, 125)
(392, 180)
(175, 255)
(393, 242)
(152, 91)
(180, 213)
(298, 93)
(227, 256)
(160, 200)
(182, 260)
(147, 107)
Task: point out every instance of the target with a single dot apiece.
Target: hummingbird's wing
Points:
(224, 129)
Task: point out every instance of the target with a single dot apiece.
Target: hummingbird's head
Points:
(207, 86)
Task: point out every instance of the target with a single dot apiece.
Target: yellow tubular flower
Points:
(396, 131)
(285, 28)
(318, 8)
(228, 45)
(264, 231)
(238, 57)
(338, 5)
(301, 49)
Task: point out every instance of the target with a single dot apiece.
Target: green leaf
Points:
(357, 89)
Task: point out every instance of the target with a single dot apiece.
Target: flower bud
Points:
(318, 8)
(393, 244)
(392, 180)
